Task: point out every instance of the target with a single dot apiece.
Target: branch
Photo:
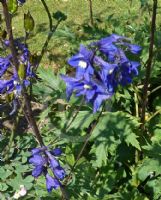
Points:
(149, 62)
(49, 15)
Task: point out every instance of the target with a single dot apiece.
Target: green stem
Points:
(74, 116)
(156, 113)
(91, 129)
(149, 63)
(154, 90)
(136, 104)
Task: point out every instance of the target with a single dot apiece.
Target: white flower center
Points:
(110, 71)
(15, 82)
(82, 64)
(87, 86)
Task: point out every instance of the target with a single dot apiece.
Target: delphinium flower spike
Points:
(44, 160)
(14, 82)
(100, 68)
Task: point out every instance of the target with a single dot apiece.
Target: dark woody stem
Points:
(149, 62)
(27, 103)
(49, 15)
(91, 12)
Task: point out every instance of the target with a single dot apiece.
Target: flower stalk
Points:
(149, 62)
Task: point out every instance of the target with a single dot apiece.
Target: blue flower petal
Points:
(37, 171)
(51, 183)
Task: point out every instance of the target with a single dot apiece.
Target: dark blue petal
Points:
(51, 183)
(53, 161)
(37, 171)
(6, 86)
(56, 152)
(37, 160)
(35, 151)
(75, 60)
(133, 48)
(98, 101)
(4, 64)
(59, 173)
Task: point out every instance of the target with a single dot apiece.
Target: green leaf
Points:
(12, 6)
(69, 156)
(50, 79)
(101, 154)
(4, 173)
(132, 139)
(82, 120)
(28, 22)
(16, 182)
(113, 129)
(3, 187)
(149, 166)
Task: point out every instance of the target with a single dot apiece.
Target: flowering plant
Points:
(52, 145)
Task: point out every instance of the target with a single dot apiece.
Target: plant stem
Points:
(91, 12)
(155, 114)
(16, 65)
(67, 126)
(49, 15)
(149, 62)
(136, 103)
(31, 119)
(91, 129)
(155, 89)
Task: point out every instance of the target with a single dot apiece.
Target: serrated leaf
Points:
(101, 154)
(111, 130)
(82, 120)
(50, 79)
(132, 139)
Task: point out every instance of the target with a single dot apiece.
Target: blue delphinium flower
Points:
(93, 92)
(4, 64)
(43, 159)
(82, 63)
(100, 68)
(14, 84)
